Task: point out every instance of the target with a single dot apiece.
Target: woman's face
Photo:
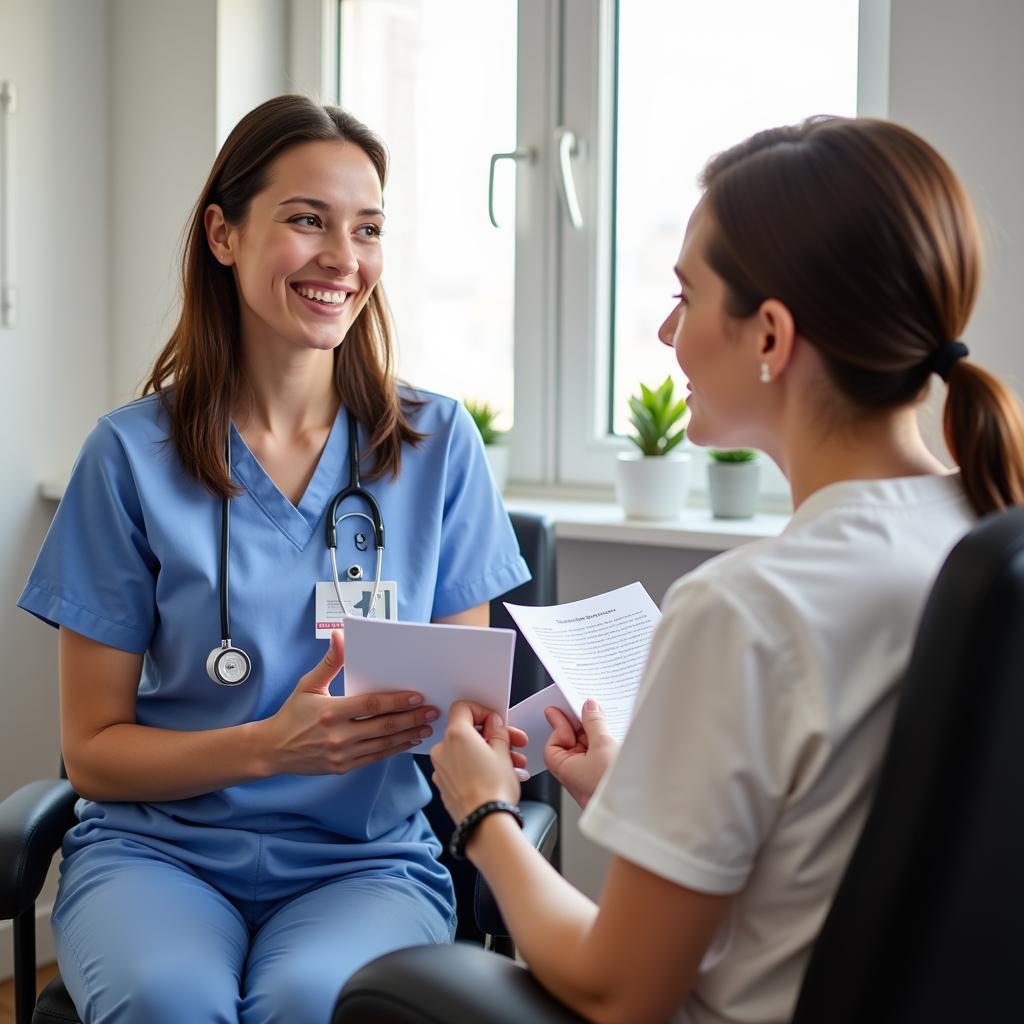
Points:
(717, 354)
(309, 254)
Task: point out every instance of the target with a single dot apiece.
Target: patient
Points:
(827, 273)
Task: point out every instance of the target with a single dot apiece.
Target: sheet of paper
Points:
(445, 663)
(592, 648)
(528, 715)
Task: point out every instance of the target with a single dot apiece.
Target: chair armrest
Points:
(434, 984)
(33, 821)
(540, 826)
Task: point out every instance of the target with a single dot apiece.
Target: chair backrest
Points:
(927, 923)
(536, 536)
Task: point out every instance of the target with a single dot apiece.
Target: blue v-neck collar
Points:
(297, 523)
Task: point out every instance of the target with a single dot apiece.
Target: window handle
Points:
(568, 147)
(520, 153)
(7, 293)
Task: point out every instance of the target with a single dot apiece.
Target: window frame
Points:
(562, 355)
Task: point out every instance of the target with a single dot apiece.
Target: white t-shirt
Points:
(761, 720)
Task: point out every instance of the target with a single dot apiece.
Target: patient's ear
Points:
(218, 234)
(775, 334)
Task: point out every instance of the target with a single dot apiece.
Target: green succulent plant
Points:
(654, 414)
(732, 454)
(483, 415)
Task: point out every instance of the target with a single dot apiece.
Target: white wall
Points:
(56, 360)
(957, 77)
(182, 74)
(163, 112)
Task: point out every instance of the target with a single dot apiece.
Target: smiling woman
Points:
(232, 834)
(323, 248)
(294, 200)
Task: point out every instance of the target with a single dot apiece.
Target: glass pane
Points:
(436, 79)
(694, 78)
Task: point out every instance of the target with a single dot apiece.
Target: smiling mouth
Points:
(326, 298)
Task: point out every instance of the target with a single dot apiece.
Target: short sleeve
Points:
(479, 557)
(708, 759)
(95, 572)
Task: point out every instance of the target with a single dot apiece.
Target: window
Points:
(437, 80)
(614, 108)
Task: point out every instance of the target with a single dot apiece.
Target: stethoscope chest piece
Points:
(228, 665)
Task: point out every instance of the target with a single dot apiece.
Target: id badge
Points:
(358, 596)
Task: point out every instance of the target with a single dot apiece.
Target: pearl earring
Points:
(765, 377)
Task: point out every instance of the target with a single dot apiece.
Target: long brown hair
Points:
(198, 373)
(863, 231)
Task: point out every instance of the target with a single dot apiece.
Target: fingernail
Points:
(426, 731)
(415, 743)
(591, 705)
(522, 774)
(430, 715)
(416, 698)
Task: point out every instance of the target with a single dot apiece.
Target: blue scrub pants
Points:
(145, 936)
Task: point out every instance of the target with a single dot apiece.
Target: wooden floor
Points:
(43, 975)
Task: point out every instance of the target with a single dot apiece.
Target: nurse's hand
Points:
(315, 733)
(578, 758)
(472, 766)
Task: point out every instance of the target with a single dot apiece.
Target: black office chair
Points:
(927, 923)
(34, 819)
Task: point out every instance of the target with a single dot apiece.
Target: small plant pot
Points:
(733, 488)
(497, 457)
(652, 486)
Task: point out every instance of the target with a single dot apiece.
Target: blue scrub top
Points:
(132, 561)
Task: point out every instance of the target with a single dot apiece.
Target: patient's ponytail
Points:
(984, 431)
(864, 232)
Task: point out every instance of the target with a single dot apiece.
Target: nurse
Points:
(824, 279)
(242, 848)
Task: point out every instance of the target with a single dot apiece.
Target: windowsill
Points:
(598, 519)
(53, 489)
(595, 520)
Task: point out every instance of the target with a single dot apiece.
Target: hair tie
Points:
(942, 360)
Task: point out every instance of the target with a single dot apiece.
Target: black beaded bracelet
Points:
(457, 843)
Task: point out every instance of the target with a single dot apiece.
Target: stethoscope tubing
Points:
(354, 489)
(225, 547)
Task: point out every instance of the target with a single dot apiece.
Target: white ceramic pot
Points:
(733, 488)
(654, 486)
(497, 456)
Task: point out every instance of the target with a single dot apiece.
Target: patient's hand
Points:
(475, 762)
(579, 758)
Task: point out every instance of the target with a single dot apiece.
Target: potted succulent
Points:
(483, 415)
(733, 481)
(653, 482)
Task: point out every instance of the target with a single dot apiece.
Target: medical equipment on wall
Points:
(230, 665)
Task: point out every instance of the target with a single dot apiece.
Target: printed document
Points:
(445, 663)
(592, 648)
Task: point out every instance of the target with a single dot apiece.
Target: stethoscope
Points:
(230, 665)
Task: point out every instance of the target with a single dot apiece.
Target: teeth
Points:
(330, 298)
